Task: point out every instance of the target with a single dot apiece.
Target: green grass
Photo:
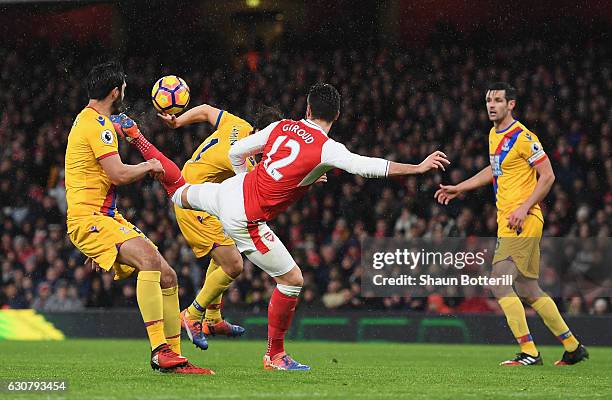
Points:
(118, 369)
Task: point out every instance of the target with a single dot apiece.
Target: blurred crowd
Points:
(396, 104)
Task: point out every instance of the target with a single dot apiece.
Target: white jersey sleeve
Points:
(336, 155)
(249, 146)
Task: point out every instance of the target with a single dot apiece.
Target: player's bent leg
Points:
(515, 315)
(212, 315)
(530, 291)
(225, 266)
(229, 260)
(224, 259)
(208, 299)
(208, 296)
(140, 254)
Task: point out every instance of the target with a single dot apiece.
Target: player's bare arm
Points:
(201, 113)
(546, 178)
(436, 160)
(123, 174)
(448, 192)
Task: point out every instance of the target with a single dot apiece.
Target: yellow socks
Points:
(548, 311)
(213, 310)
(172, 319)
(515, 315)
(149, 297)
(209, 298)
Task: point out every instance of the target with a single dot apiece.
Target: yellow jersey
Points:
(88, 188)
(210, 162)
(513, 153)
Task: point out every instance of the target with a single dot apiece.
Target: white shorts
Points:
(256, 240)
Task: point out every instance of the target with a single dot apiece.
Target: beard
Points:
(499, 116)
(118, 106)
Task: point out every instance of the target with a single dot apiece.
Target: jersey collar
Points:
(508, 127)
(313, 125)
(90, 107)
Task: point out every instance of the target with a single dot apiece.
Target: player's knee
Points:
(150, 261)
(497, 291)
(528, 300)
(500, 290)
(168, 277)
(529, 292)
(299, 280)
(531, 296)
(233, 267)
(499, 286)
(294, 278)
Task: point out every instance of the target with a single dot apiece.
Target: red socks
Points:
(280, 315)
(172, 179)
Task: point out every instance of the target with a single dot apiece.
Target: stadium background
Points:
(412, 79)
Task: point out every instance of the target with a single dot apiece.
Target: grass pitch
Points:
(118, 369)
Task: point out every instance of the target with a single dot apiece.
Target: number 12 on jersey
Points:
(272, 168)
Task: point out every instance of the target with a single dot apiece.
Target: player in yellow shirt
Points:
(203, 232)
(93, 170)
(522, 177)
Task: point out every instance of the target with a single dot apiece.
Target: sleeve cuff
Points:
(112, 153)
(539, 160)
(218, 119)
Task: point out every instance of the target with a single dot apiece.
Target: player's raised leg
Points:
(515, 315)
(530, 291)
(127, 128)
(140, 254)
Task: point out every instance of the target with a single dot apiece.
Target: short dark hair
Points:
(509, 89)
(324, 101)
(103, 78)
(265, 116)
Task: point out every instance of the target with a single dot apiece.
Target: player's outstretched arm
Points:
(123, 174)
(336, 155)
(436, 160)
(448, 192)
(201, 113)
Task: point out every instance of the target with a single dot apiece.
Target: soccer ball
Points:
(170, 95)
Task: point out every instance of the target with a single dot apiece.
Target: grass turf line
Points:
(118, 369)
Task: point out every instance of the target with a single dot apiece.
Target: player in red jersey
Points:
(296, 154)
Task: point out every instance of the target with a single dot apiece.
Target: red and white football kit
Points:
(295, 155)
